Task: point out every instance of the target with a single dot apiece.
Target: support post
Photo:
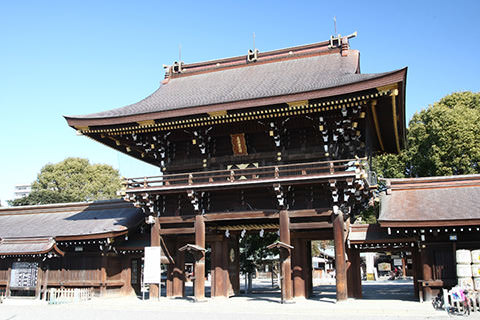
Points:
(178, 280)
(340, 262)
(155, 242)
(309, 276)
(233, 266)
(427, 258)
(299, 266)
(103, 275)
(286, 268)
(199, 285)
(415, 269)
(354, 276)
(9, 276)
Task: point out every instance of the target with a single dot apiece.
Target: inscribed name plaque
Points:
(24, 275)
(152, 270)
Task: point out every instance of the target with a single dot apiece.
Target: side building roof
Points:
(430, 202)
(88, 220)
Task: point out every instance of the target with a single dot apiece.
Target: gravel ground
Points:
(383, 300)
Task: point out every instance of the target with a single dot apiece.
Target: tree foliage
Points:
(443, 139)
(254, 250)
(71, 180)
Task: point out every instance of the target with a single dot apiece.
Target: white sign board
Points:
(152, 270)
(397, 262)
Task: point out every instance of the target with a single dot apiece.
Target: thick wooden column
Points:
(286, 268)
(178, 277)
(155, 242)
(126, 275)
(354, 276)
(427, 274)
(299, 266)
(38, 287)
(199, 285)
(309, 276)
(233, 265)
(219, 269)
(9, 276)
(103, 274)
(416, 264)
(340, 263)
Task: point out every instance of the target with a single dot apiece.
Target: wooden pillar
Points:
(286, 268)
(126, 275)
(415, 269)
(233, 265)
(44, 288)
(169, 284)
(426, 258)
(220, 280)
(299, 266)
(178, 277)
(38, 285)
(340, 263)
(103, 275)
(309, 277)
(354, 276)
(199, 284)
(155, 242)
(9, 277)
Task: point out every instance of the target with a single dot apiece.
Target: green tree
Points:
(443, 139)
(71, 180)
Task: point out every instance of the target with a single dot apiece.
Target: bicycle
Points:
(460, 303)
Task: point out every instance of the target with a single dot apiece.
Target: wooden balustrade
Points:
(325, 168)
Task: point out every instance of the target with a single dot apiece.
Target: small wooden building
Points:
(442, 215)
(273, 141)
(74, 245)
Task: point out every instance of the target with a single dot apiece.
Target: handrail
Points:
(257, 173)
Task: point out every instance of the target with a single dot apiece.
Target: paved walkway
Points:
(377, 305)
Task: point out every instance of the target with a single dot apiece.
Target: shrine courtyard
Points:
(382, 300)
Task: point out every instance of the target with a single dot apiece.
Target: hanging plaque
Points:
(239, 145)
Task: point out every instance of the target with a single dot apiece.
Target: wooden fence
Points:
(59, 296)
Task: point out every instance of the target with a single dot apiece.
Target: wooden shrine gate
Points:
(179, 234)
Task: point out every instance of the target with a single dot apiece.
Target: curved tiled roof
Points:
(96, 220)
(433, 201)
(248, 82)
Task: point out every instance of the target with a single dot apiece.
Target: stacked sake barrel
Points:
(464, 269)
(476, 269)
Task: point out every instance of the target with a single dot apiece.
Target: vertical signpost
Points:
(152, 270)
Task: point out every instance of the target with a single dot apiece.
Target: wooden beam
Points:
(310, 225)
(177, 231)
(244, 215)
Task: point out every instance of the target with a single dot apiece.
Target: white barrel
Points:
(465, 283)
(476, 256)
(464, 256)
(464, 270)
(476, 283)
(476, 270)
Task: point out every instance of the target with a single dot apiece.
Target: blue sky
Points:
(76, 57)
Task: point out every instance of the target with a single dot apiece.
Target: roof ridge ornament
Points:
(341, 42)
(252, 55)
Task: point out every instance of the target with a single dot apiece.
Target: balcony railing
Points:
(303, 171)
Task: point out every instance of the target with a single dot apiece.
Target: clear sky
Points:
(77, 57)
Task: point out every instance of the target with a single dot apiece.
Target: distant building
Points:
(22, 190)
